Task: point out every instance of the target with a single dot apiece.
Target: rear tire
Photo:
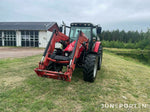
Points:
(90, 68)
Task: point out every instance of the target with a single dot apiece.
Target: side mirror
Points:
(99, 29)
(60, 28)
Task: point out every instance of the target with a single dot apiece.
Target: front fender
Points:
(96, 46)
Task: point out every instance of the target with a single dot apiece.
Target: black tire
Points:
(90, 68)
(100, 58)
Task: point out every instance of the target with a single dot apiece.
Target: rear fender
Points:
(96, 47)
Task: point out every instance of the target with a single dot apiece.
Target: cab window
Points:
(94, 33)
(75, 30)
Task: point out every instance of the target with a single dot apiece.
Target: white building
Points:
(26, 34)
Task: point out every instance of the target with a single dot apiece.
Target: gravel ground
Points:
(10, 52)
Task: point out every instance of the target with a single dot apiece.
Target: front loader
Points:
(81, 49)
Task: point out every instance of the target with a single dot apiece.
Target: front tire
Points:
(90, 68)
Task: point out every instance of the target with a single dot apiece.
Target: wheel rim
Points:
(95, 68)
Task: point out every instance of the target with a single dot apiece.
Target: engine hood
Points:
(70, 47)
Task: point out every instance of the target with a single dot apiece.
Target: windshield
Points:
(74, 32)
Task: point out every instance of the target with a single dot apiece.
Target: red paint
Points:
(55, 26)
(41, 70)
(96, 47)
(70, 46)
(57, 61)
(81, 48)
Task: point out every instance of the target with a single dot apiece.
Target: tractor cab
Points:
(87, 28)
(91, 32)
(76, 27)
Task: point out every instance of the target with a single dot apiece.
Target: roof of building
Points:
(26, 25)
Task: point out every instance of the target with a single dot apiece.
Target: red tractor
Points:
(81, 49)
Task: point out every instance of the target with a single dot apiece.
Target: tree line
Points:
(122, 39)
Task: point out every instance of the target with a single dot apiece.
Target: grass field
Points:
(140, 55)
(120, 81)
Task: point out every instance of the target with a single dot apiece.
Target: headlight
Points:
(66, 54)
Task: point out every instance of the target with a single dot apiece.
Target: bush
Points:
(144, 44)
(113, 44)
(130, 45)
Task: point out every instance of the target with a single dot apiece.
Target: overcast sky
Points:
(110, 14)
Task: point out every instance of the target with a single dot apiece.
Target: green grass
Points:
(119, 81)
(142, 56)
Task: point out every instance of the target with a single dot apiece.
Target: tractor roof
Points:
(82, 24)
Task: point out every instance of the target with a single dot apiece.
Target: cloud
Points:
(110, 14)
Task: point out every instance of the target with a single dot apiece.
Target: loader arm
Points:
(82, 40)
(56, 37)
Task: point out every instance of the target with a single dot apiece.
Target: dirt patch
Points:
(8, 52)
